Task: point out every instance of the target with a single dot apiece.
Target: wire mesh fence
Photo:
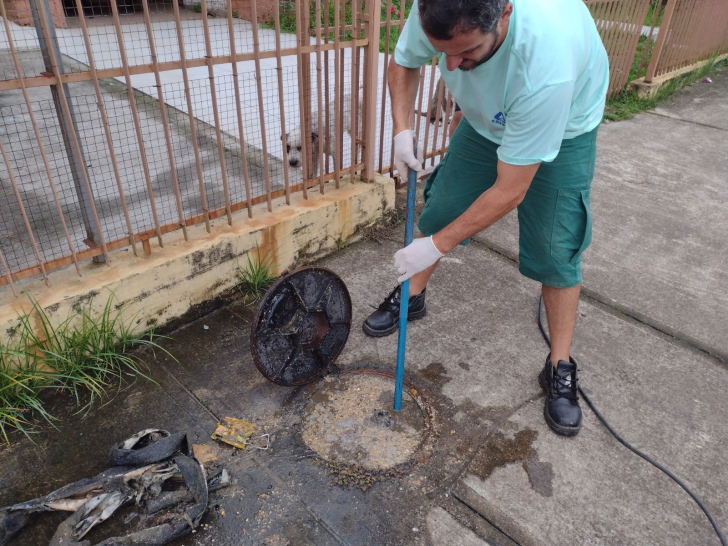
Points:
(125, 120)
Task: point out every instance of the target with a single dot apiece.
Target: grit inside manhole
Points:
(351, 420)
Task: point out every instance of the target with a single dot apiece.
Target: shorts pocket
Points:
(572, 228)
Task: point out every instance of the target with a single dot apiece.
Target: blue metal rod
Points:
(404, 296)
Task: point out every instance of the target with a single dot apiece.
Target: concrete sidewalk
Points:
(492, 472)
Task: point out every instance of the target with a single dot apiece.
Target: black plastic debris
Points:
(141, 466)
(301, 326)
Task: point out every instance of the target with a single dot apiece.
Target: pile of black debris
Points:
(140, 467)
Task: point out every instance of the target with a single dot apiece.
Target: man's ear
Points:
(507, 12)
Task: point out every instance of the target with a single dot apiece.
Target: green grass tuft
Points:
(256, 275)
(627, 104)
(83, 355)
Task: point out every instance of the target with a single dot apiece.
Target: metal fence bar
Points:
(7, 273)
(628, 40)
(426, 112)
(674, 35)
(193, 129)
(135, 118)
(327, 85)
(322, 136)
(215, 112)
(261, 105)
(338, 60)
(239, 110)
(24, 215)
(649, 43)
(354, 98)
(163, 112)
(72, 131)
(39, 140)
(438, 108)
(281, 102)
(385, 79)
(303, 107)
(417, 124)
(341, 19)
(661, 39)
(105, 122)
(448, 118)
(371, 82)
(53, 60)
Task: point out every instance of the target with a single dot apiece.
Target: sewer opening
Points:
(349, 421)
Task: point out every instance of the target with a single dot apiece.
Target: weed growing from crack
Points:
(84, 354)
(256, 275)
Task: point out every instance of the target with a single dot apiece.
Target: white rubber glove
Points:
(404, 154)
(415, 257)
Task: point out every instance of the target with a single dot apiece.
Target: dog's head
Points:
(293, 146)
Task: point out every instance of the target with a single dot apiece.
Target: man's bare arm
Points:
(506, 194)
(403, 83)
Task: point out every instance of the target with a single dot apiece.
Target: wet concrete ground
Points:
(490, 470)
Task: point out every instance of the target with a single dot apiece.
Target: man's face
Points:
(468, 50)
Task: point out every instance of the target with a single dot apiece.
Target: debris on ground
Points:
(235, 432)
(707, 80)
(141, 466)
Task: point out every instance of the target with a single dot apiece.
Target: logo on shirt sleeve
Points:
(499, 119)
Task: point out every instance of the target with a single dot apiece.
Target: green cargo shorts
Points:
(554, 218)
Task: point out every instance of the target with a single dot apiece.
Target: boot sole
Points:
(383, 333)
(553, 425)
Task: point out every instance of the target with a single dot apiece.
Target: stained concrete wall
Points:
(174, 280)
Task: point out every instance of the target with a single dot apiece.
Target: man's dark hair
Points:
(444, 19)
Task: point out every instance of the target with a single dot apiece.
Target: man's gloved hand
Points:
(404, 154)
(416, 257)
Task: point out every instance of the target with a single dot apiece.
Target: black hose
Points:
(627, 445)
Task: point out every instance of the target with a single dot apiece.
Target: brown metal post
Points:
(338, 75)
(105, 122)
(52, 58)
(304, 94)
(417, 124)
(281, 102)
(216, 114)
(135, 118)
(354, 89)
(322, 136)
(261, 105)
(193, 129)
(661, 39)
(385, 79)
(72, 134)
(371, 82)
(238, 109)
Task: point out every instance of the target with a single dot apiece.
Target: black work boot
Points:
(561, 410)
(385, 319)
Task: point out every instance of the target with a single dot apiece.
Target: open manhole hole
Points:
(349, 420)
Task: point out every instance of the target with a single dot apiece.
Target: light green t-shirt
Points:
(547, 82)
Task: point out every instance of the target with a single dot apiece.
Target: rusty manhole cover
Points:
(301, 326)
(350, 420)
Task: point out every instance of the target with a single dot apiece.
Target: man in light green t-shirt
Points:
(531, 79)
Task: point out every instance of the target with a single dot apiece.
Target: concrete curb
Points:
(157, 289)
